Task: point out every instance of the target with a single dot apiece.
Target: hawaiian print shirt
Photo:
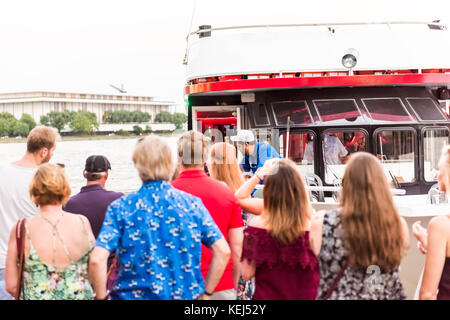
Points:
(157, 233)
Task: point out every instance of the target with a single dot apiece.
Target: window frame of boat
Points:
(294, 125)
(418, 116)
(417, 175)
(422, 149)
(412, 120)
(301, 131)
(267, 115)
(339, 129)
(324, 123)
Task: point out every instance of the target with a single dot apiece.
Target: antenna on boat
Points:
(185, 60)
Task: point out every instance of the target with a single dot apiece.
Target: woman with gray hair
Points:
(157, 233)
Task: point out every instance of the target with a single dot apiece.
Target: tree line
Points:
(82, 121)
(177, 118)
(12, 127)
(78, 121)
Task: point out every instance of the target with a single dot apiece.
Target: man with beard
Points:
(15, 178)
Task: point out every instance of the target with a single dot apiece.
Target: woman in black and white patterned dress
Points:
(363, 241)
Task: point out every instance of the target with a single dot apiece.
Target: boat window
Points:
(426, 109)
(297, 110)
(337, 147)
(395, 149)
(434, 139)
(300, 150)
(260, 115)
(337, 110)
(387, 109)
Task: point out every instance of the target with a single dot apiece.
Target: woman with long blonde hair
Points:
(277, 246)
(362, 242)
(223, 165)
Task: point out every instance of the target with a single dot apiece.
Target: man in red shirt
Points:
(221, 203)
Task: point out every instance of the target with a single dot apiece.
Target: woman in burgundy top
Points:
(435, 243)
(277, 245)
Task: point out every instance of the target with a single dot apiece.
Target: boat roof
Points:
(302, 55)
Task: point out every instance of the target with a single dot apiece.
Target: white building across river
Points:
(38, 103)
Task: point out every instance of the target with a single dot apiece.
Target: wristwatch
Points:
(208, 294)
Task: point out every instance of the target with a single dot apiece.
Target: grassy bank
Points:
(93, 137)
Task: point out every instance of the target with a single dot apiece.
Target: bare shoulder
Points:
(440, 224)
(73, 217)
(257, 222)
(317, 218)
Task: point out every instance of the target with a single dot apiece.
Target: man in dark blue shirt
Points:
(255, 153)
(93, 199)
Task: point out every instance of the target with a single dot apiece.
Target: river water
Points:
(123, 176)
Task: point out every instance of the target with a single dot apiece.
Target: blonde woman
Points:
(362, 242)
(57, 244)
(223, 165)
(435, 243)
(277, 247)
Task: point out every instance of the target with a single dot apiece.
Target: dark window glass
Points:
(425, 109)
(260, 115)
(331, 110)
(297, 110)
(391, 110)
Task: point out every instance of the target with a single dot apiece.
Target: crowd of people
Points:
(194, 230)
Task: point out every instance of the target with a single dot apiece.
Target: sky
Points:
(86, 45)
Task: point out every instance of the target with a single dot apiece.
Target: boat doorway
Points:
(218, 123)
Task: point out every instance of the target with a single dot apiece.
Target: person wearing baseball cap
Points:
(255, 153)
(93, 199)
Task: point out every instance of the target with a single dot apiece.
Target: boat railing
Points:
(432, 25)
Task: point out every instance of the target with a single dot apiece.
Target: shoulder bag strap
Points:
(20, 242)
(336, 281)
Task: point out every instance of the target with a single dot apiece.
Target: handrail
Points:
(435, 24)
(336, 189)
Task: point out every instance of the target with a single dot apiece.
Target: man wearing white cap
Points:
(255, 153)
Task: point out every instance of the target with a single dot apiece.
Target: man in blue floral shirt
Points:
(157, 232)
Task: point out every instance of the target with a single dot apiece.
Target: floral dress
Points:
(355, 284)
(42, 281)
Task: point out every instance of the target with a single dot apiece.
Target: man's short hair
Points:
(153, 159)
(193, 149)
(94, 176)
(41, 137)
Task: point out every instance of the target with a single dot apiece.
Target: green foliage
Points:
(84, 122)
(7, 116)
(148, 129)
(4, 127)
(57, 120)
(123, 116)
(20, 128)
(178, 119)
(163, 116)
(138, 130)
(122, 132)
(10, 126)
(45, 120)
(29, 120)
